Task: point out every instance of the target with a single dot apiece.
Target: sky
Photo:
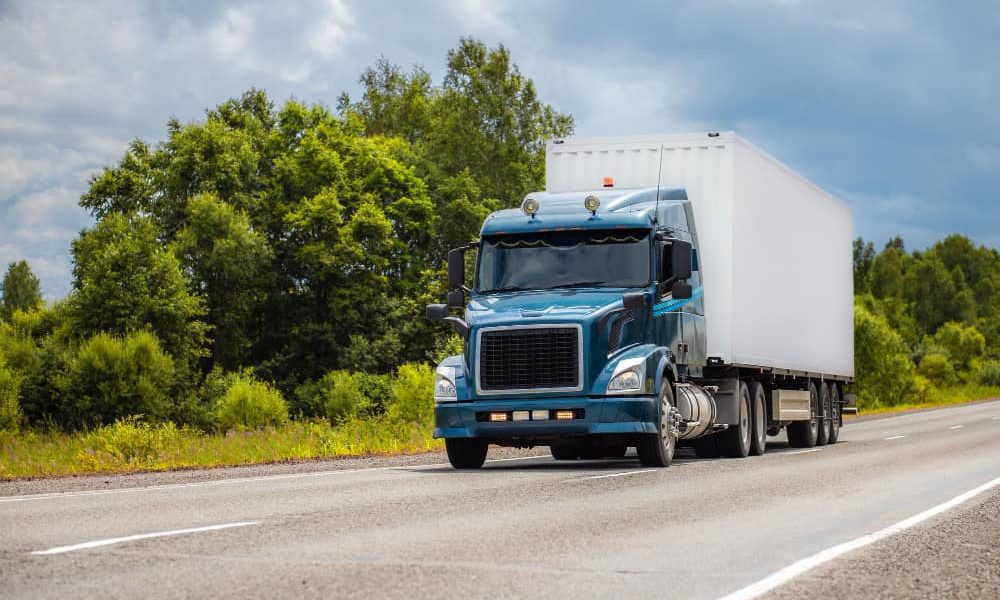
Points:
(890, 105)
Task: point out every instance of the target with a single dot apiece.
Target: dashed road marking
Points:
(896, 437)
(956, 426)
(800, 452)
(141, 536)
(608, 476)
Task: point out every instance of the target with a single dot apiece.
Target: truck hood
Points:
(568, 304)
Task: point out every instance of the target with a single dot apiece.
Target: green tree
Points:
(228, 263)
(884, 373)
(125, 280)
(864, 255)
(21, 290)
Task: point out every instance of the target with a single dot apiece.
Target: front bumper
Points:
(602, 416)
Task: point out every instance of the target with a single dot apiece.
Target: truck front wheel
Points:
(466, 453)
(657, 449)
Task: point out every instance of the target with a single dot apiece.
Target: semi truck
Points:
(663, 291)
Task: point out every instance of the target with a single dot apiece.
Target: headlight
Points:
(627, 381)
(628, 376)
(444, 385)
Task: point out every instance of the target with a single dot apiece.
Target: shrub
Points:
(130, 441)
(884, 373)
(938, 369)
(413, 394)
(10, 406)
(250, 403)
(112, 377)
(341, 395)
(964, 344)
(989, 374)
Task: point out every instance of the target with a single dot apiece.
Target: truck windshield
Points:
(612, 258)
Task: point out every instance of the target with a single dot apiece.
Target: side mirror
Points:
(681, 290)
(456, 269)
(680, 260)
(634, 300)
(456, 298)
(437, 312)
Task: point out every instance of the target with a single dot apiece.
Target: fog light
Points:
(564, 415)
(522, 415)
(496, 417)
(539, 415)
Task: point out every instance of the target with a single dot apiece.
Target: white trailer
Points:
(775, 248)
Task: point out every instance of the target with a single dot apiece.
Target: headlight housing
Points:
(444, 385)
(628, 378)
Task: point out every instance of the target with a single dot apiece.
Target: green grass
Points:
(131, 446)
(959, 394)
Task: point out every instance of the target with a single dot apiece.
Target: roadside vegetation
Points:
(253, 285)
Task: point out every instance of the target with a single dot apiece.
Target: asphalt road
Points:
(530, 526)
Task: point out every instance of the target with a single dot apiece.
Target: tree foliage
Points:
(20, 289)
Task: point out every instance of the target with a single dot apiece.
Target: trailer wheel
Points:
(835, 402)
(657, 449)
(735, 441)
(758, 441)
(826, 409)
(802, 434)
(466, 453)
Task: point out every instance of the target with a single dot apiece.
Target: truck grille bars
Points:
(527, 359)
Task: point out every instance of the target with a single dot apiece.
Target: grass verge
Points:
(936, 397)
(131, 446)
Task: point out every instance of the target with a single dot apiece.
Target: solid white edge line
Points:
(895, 437)
(798, 568)
(956, 426)
(141, 536)
(194, 484)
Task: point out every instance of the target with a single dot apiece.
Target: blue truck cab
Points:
(583, 326)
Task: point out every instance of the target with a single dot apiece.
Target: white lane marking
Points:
(956, 426)
(141, 536)
(997, 418)
(195, 484)
(795, 569)
(612, 475)
(896, 437)
(799, 452)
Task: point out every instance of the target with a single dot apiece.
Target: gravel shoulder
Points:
(956, 555)
(81, 483)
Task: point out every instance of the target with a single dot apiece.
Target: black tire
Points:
(735, 441)
(616, 451)
(708, 447)
(565, 450)
(802, 434)
(825, 410)
(835, 400)
(657, 449)
(758, 401)
(466, 453)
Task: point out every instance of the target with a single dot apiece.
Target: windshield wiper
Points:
(578, 284)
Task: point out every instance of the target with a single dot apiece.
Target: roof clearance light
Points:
(592, 203)
(609, 182)
(530, 207)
